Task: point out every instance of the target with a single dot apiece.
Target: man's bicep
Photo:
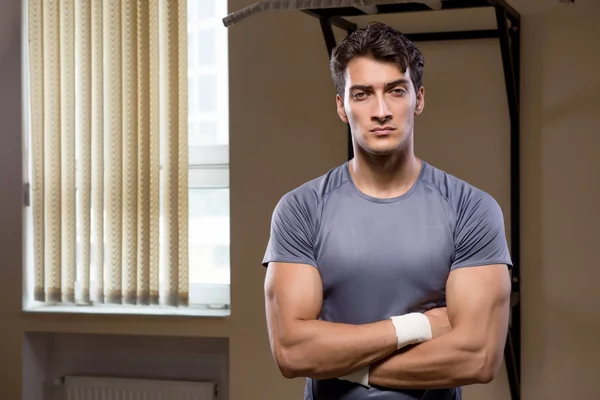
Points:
(292, 292)
(478, 301)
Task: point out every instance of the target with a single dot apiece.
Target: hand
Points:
(438, 318)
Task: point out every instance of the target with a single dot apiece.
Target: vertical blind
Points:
(109, 151)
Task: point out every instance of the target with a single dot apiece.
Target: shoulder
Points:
(462, 196)
(309, 196)
(296, 218)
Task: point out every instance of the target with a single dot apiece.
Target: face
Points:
(379, 103)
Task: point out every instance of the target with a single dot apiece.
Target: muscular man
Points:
(387, 278)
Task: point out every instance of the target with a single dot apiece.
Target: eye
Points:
(399, 91)
(359, 95)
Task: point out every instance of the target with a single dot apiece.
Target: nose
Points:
(381, 113)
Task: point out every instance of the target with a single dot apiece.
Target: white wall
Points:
(49, 357)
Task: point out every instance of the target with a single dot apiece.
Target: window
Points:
(207, 173)
(209, 153)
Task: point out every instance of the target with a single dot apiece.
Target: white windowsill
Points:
(191, 311)
(206, 300)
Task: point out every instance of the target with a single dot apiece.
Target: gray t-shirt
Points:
(383, 257)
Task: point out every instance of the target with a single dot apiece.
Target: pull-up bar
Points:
(333, 13)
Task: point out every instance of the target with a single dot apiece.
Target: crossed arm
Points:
(471, 352)
(478, 301)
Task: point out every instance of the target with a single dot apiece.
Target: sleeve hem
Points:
(266, 262)
(481, 263)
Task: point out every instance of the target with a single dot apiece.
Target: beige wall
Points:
(282, 112)
(561, 193)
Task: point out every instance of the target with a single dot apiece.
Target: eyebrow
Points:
(401, 81)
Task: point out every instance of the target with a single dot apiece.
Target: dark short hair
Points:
(381, 42)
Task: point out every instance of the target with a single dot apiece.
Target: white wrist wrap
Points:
(360, 376)
(412, 328)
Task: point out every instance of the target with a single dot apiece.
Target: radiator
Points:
(107, 388)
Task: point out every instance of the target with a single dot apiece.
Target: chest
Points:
(385, 249)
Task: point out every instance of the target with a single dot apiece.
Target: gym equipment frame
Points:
(332, 13)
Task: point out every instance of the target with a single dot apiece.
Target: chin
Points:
(381, 150)
(383, 147)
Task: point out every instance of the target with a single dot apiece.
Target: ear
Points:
(340, 109)
(420, 101)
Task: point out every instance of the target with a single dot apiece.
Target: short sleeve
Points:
(479, 237)
(292, 231)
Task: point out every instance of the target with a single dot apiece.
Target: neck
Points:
(385, 176)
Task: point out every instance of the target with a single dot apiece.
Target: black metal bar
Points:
(328, 35)
(350, 155)
(350, 148)
(327, 28)
(511, 65)
(335, 20)
(515, 46)
(508, 65)
(515, 329)
(343, 23)
(510, 11)
(511, 367)
(457, 35)
(397, 8)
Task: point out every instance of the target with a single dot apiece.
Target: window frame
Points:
(209, 164)
(208, 167)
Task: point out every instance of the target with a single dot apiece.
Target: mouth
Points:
(384, 130)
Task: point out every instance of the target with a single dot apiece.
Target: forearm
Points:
(322, 350)
(478, 309)
(451, 360)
